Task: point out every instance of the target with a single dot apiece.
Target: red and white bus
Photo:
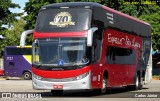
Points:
(79, 46)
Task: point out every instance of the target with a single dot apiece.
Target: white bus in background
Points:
(148, 74)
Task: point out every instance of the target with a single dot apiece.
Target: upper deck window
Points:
(63, 20)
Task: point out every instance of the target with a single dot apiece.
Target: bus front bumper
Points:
(77, 83)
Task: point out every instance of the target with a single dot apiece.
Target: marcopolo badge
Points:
(62, 19)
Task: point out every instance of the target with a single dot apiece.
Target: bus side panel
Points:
(121, 67)
(123, 22)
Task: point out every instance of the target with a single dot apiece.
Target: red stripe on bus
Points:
(60, 74)
(60, 34)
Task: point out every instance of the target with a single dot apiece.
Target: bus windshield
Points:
(59, 52)
(63, 20)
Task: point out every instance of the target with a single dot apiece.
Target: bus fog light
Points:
(34, 83)
(37, 77)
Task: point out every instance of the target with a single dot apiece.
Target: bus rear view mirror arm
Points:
(90, 35)
(23, 37)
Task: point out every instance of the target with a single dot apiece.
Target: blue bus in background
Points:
(17, 62)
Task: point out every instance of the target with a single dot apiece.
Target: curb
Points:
(156, 78)
(2, 78)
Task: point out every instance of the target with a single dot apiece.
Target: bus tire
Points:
(57, 92)
(139, 83)
(103, 90)
(27, 76)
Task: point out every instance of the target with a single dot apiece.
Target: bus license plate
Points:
(58, 86)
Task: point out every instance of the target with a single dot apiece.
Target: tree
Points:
(32, 7)
(12, 35)
(7, 17)
(152, 16)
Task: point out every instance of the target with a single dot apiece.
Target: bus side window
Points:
(26, 51)
(116, 55)
(11, 65)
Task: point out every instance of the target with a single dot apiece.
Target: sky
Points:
(22, 5)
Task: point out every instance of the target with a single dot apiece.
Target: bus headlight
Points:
(81, 76)
(37, 77)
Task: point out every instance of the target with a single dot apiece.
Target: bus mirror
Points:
(90, 35)
(23, 37)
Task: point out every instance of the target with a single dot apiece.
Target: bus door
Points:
(97, 62)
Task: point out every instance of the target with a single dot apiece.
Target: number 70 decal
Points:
(62, 19)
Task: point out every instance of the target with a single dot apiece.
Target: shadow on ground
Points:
(118, 92)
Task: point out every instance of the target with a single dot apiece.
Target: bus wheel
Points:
(137, 86)
(103, 90)
(57, 92)
(139, 83)
(27, 76)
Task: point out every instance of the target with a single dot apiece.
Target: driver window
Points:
(97, 44)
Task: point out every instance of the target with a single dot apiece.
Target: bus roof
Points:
(73, 5)
(90, 5)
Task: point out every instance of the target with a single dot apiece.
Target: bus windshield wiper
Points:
(39, 65)
(78, 65)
